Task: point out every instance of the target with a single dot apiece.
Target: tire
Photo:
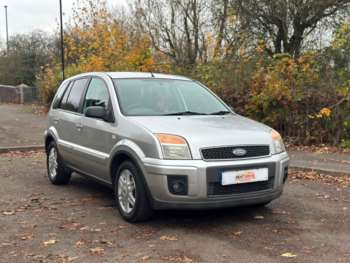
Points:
(258, 205)
(57, 172)
(129, 183)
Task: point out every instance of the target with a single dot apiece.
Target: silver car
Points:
(161, 142)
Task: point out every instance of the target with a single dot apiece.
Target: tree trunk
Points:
(222, 26)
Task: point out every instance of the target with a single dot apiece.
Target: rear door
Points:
(68, 122)
(98, 136)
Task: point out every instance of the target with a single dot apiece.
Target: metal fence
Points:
(18, 94)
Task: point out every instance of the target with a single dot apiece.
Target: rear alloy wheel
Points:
(130, 194)
(57, 172)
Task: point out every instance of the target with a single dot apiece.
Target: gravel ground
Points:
(40, 222)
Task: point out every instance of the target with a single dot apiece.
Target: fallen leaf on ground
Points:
(288, 255)
(8, 212)
(168, 238)
(50, 242)
(343, 180)
(145, 258)
(237, 233)
(84, 228)
(97, 251)
(70, 226)
(177, 259)
(79, 243)
(107, 242)
(29, 237)
(6, 244)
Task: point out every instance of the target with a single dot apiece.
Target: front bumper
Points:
(198, 173)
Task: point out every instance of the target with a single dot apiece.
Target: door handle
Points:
(79, 126)
(56, 120)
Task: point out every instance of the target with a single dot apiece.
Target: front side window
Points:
(75, 95)
(154, 97)
(96, 95)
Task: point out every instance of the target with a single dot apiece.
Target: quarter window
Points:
(63, 102)
(97, 94)
(59, 95)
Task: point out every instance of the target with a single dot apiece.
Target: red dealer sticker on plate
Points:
(244, 176)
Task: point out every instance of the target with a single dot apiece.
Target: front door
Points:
(98, 136)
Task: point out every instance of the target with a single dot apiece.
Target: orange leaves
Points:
(283, 80)
(98, 42)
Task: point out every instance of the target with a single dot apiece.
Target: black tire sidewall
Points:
(140, 195)
(63, 174)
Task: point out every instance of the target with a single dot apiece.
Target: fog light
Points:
(177, 184)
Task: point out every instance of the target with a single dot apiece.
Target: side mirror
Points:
(97, 112)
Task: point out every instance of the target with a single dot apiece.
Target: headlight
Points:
(277, 142)
(174, 147)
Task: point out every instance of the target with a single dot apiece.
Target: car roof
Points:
(133, 75)
(122, 75)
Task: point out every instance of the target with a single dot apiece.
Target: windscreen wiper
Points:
(185, 113)
(222, 112)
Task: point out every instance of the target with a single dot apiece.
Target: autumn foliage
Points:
(95, 41)
(305, 98)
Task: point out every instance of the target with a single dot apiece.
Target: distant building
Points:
(18, 94)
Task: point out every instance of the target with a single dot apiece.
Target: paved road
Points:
(329, 162)
(79, 223)
(19, 126)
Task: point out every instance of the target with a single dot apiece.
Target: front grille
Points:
(214, 186)
(222, 153)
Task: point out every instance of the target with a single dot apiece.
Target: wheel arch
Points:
(126, 153)
(50, 136)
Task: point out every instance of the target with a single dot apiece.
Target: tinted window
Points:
(63, 102)
(59, 95)
(75, 95)
(142, 97)
(97, 94)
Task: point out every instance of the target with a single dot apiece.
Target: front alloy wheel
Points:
(126, 191)
(130, 193)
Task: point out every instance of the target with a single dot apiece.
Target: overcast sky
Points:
(27, 15)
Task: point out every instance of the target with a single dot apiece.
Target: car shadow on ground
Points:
(104, 194)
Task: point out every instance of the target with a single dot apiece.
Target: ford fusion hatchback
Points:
(161, 142)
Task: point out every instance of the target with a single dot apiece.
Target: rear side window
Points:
(75, 95)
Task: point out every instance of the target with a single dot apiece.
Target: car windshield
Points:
(161, 97)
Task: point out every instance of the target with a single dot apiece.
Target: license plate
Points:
(244, 176)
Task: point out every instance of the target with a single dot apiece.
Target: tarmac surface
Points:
(41, 222)
(19, 126)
